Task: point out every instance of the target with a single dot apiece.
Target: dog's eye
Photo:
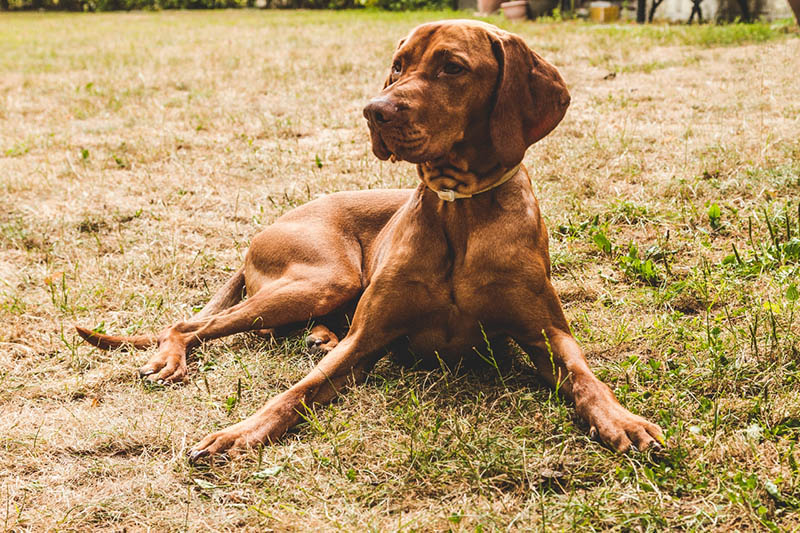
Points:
(397, 67)
(452, 68)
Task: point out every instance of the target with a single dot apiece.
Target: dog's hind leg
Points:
(287, 300)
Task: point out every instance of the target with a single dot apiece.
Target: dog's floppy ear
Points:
(531, 98)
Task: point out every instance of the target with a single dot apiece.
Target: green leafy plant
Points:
(638, 268)
(782, 247)
(715, 216)
(602, 242)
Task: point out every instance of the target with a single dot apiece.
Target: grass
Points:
(140, 152)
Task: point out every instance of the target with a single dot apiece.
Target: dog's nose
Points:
(380, 111)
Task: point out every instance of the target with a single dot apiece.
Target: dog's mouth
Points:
(399, 145)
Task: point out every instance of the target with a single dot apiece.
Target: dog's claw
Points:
(313, 342)
(143, 373)
(194, 455)
(317, 346)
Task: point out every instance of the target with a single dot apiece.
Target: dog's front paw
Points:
(622, 430)
(610, 422)
(166, 366)
(235, 439)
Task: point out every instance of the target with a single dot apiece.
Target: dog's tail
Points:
(228, 295)
(109, 342)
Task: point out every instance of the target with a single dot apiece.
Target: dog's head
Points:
(469, 86)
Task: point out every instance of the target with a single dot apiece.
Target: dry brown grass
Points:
(140, 152)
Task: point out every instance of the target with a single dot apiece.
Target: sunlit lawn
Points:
(139, 153)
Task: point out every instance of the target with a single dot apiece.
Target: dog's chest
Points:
(458, 290)
(454, 313)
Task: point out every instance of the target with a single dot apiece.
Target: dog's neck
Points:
(453, 177)
(469, 168)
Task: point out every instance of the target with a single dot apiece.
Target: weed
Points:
(715, 216)
(18, 149)
(781, 249)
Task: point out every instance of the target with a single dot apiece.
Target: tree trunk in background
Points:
(745, 11)
(795, 5)
(4, 5)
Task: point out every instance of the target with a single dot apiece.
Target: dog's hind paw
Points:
(321, 340)
(316, 345)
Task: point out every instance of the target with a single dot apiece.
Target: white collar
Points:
(449, 195)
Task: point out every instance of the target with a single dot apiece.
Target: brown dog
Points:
(435, 269)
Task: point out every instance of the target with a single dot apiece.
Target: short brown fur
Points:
(463, 102)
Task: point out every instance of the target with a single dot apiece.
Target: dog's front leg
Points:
(346, 365)
(561, 362)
